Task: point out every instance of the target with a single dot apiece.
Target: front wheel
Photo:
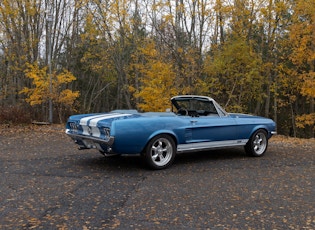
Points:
(160, 152)
(257, 144)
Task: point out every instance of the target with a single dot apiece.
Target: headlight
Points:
(106, 133)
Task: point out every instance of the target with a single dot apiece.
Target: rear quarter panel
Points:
(132, 135)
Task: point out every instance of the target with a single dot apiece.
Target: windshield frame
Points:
(189, 102)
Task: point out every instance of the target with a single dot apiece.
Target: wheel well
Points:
(168, 134)
(260, 128)
(255, 130)
(173, 137)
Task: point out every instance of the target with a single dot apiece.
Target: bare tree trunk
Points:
(293, 121)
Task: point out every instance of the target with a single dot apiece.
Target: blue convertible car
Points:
(195, 123)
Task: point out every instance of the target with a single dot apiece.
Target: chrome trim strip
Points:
(273, 132)
(108, 142)
(210, 145)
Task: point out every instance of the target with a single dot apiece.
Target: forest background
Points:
(252, 56)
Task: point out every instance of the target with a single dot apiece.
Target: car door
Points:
(213, 129)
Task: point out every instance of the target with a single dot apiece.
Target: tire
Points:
(257, 144)
(160, 152)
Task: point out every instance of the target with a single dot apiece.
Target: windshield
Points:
(194, 104)
(197, 106)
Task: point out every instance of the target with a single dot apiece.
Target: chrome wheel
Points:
(260, 143)
(160, 152)
(257, 144)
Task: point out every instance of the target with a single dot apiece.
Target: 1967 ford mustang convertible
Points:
(195, 123)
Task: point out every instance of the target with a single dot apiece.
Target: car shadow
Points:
(99, 162)
(210, 155)
(135, 162)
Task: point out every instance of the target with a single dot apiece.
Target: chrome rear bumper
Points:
(84, 138)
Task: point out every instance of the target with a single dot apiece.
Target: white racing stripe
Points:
(89, 124)
(94, 121)
(85, 120)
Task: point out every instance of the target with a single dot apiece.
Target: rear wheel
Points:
(160, 152)
(257, 144)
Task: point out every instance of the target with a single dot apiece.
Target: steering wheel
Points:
(182, 111)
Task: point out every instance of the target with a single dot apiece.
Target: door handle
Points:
(193, 121)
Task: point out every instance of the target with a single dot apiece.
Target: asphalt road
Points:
(46, 183)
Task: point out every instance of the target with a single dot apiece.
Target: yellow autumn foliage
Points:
(40, 92)
(302, 42)
(157, 81)
(308, 84)
(305, 120)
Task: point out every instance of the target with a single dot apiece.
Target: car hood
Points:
(251, 118)
(242, 115)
